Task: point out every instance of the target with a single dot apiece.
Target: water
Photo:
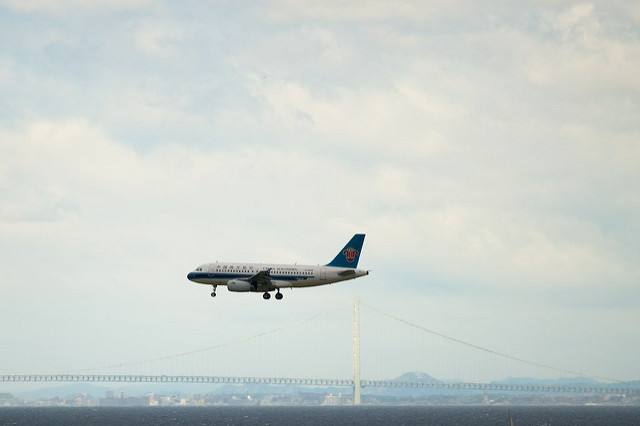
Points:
(409, 415)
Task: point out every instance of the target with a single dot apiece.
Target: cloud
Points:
(369, 121)
(60, 6)
(490, 165)
(367, 11)
(584, 56)
(158, 39)
(70, 156)
(437, 140)
(109, 186)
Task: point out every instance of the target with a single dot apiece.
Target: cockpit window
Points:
(199, 269)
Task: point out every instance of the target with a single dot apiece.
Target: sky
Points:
(489, 150)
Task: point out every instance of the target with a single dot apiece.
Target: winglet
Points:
(348, 257)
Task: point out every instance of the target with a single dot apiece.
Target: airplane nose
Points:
(191, 276)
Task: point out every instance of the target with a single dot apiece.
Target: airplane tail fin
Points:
(348, 257)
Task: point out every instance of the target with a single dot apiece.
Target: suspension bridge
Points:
(380, 346)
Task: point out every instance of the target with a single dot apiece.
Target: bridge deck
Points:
(501, 387)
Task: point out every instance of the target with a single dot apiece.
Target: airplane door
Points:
(323, 273)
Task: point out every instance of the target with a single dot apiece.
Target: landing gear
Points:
(213, 293)
(267, 295)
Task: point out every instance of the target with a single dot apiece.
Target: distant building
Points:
(122, 400)
(339, 399)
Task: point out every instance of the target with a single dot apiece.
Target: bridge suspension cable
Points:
(338, 308)
(217, 346)
(489, 351)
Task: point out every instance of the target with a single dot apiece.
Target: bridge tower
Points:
(356, 352)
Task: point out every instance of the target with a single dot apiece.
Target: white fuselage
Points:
(282, 275)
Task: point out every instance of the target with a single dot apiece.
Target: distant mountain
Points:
(131, 389)
(632, 384)
(257, 389)
(168, 389)
(65, 391)
(401, 392)
(416, 376)
(183, 389)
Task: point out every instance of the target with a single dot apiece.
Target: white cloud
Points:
(59, 6)
(584, 57)
(493, 166)
(72, 163)
(158, 39)
(73, 156)
(375, 122)
(366, 11)
(578, 22)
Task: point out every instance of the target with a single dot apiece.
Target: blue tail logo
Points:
(348, 257)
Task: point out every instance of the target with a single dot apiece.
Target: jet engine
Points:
(238, 285)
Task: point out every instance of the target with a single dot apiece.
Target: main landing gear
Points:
(213, 293)
(267, 296)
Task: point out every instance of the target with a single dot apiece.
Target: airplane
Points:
(267, 277)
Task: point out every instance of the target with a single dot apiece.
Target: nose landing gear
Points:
(213, 293)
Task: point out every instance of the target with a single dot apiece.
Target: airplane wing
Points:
(262, 279)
